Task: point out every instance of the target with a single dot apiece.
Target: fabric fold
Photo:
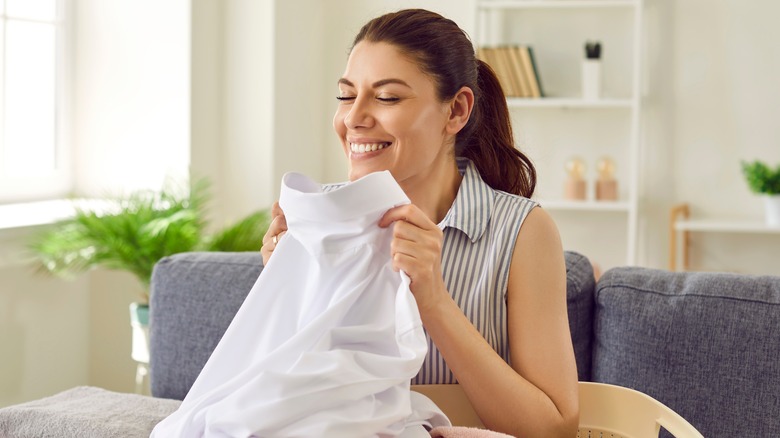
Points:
(329, 337)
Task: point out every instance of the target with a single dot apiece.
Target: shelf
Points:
(544, 4)
(682, 224)
(725, 226)
(559, 204)
(558, 102)
(562, 124)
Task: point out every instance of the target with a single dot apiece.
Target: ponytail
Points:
(442, 50)
(489, 142)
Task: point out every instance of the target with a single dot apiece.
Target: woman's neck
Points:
(435, 191)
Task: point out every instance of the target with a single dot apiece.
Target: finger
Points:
(280, 224)
(408, 229)
(404, 247)
(407, 213)
(407, 263)
(271, 240)
(276, 210)
(277, 226)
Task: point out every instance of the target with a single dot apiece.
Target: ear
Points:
(460, 110)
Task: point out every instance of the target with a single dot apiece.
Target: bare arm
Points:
(537, 395)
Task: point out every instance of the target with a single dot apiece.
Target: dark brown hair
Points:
(444, 51)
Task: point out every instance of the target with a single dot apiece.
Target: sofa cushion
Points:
(580, 285)
(194, 299)
(705, 344)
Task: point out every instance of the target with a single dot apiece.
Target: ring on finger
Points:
(275, 239)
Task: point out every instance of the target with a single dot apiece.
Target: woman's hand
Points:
(276, 230)
(416, 250)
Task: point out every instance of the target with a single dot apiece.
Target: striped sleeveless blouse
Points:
(480, 231)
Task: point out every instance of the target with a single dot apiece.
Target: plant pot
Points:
(139, 321)
(772, 210)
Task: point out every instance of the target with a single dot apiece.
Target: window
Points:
(33, 158)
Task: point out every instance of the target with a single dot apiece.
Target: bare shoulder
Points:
(537, 274)
(538, 239)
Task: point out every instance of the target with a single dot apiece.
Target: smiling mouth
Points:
(362, 148)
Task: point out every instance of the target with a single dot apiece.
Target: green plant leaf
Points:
(761, 178)
(133, 232)
(245, 235)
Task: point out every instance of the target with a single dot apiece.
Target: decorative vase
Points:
(591, 79)
(139, 322)
(772, 210)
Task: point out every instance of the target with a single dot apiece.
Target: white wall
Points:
(44, 325)
(131, 100)
(724, 59)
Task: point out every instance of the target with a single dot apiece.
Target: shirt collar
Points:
(473, 204)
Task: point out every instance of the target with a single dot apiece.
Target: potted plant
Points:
(765, 181)
(133, 232)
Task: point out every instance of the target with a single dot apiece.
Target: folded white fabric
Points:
(329, 337)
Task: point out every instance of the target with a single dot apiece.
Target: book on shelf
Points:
(515, 68)
(494, 57)
(535, 68)
(514, 60)
(529, 71)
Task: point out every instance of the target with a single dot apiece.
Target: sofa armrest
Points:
(580, 289)
(193, 301)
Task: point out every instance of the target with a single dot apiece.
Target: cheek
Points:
(338, 123)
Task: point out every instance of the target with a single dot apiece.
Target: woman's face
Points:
(389, 117)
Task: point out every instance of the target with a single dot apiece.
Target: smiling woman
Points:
(486, 265)
(384, 123)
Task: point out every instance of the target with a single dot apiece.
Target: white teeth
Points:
(360, 148)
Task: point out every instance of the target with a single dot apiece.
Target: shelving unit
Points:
(681, 226)
(562, 125)
(568, 103)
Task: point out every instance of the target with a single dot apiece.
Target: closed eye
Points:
(345, 98)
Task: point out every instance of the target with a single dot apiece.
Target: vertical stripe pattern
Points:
(480, 232)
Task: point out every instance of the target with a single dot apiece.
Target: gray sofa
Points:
(705, 344)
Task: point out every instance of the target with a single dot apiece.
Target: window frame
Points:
(59, 182)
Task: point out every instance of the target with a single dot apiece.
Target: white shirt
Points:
(328, 338)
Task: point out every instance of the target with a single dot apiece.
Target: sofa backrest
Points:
(706, 345)
(195, 296)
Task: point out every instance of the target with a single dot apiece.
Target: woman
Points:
(414, 100)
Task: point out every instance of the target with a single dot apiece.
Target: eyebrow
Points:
(376, 84)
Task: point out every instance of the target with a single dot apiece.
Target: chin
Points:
(357, 172)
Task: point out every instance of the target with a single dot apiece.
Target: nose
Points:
(359, 115)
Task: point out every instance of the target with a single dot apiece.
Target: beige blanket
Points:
(85, 411)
